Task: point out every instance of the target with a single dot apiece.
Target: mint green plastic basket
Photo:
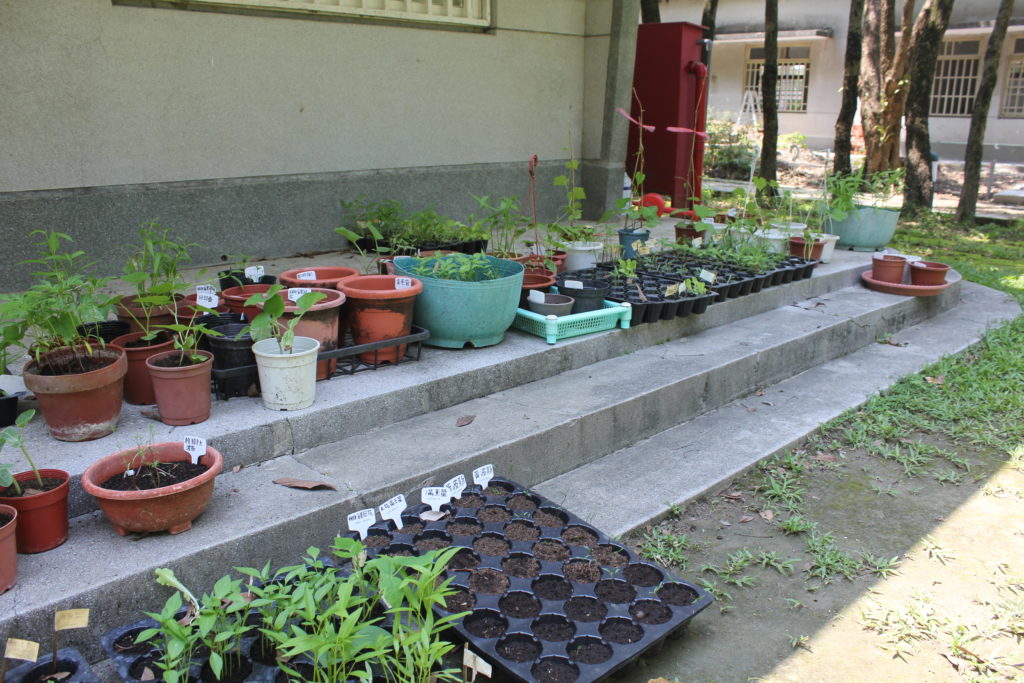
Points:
(553, 328)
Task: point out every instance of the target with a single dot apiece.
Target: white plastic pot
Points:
(288, 381)
(830, 245)
(774, 239)
(582, 255)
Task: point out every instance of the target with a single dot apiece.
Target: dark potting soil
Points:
(677, 594)
(139, 668)
(554, 629)
(582, 571)
(552, 588)
(376, 540)
(464, 560)
(621, 631)
(494, 513)
(154, 476)
(5, 519)
(469, 500)
(464, 528)
(492, 546)
(182, 360)
(234, 671)
(399, 550)
(590, 651)
(609, 555)
(521, 501)
(550, 519)
(554, 671)
(485, 624)
(264, 651)
(72, 365)
(521, 530)
(498, 490)
(31, 488)
(460, 601)
(551, 550)
(521, 566)
(650, 611)
(583, 608)
(412, 528)
(519, 648)
(614, 591)
(432, 543)
(126, 645)
(578, 535)
(643, 575)
(519, 606)
(488, 582)
(44, 673)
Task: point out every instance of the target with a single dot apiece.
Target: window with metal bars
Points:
(475, 13)
(794, 76)
(956, 78)
(1012, 104)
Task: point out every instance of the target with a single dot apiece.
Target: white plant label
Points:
(306, 275)
(478, 665)
(709, 220)
(536, 296)
(194, 446)
(255, 272)
(708, 276)
(456, 485)
(672, 290)
(296, 293)
(696, 242)
(361, 521)
(129, 473)
(403, 283)
(205, 288)
(207, 299)
(482, 475)
(572, 284)
(392, 509)
(435, 497)
(644, 249)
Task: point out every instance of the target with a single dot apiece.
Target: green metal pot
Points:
(866, 228)
(466, 313)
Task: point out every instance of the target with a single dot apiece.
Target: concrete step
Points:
(589, 398)
(640, 482)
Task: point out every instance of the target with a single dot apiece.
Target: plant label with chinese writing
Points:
(209, 289)
(482, 475)
(435, 497)
(70, 618)
(392, 509)
(708, 276)
(254, 272)
(361, 521)
(456, 485)
(306, 275)
(194, 446)
(207, 299)
(403, 283)
(296, 293)
(572, 284)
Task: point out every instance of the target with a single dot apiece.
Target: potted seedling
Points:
(181, 377)
(856, 208)
(286, 362)
(506, 225)
(40, 495)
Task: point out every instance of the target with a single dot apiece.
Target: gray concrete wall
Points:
(243, 132)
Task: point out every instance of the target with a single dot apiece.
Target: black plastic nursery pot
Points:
(231, 351)
(550, 598)
(70, 663)
(237, 278)
(107, 330)
(589, 297)
(9, 409)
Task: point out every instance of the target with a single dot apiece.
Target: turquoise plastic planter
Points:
(865, 229)
(628, 237)
(466, 313)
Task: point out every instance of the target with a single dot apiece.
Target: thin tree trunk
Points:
(650, 13)
(707, 19)
(927, 41)
(979, 115)
(851, 74)
(769, 85)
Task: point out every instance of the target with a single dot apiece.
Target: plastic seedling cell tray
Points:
(550, 598)
(68, 658)
(554, 328)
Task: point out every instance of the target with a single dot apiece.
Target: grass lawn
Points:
(890, 546)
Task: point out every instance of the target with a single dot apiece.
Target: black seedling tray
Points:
(83, 673)
(526, 615)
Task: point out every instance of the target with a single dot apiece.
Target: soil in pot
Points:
(485, 623)
(589, 650)
(518, 647)
(376, 538)
(551, 518)
(45, 673)
(621, 631)
(614, 591)
(643, 575)
(488, 582)
(464, 527)
(519, 605)
(553, 628)
(154, 475)
(264, 651)
(582, 570)
(522, 501)
(433, 540)
(235, 670)
(650, 611)
(521, 566)
(498, 488)
(581, 536)
(609, 555)
(677, 594)
(493, 514)
(522, 530)
(31, 487)
(125, 643)
(551, 550)
(469, 500)
(464, 560)
(552, 587)
(492, 546)
(585, 608)
(460, 601)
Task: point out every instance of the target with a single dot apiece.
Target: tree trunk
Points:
(650, 13)
(769, 86)
(707, 19)
(979, 115)
(851, 73)
(927, 41)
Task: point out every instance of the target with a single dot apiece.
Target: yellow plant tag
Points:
(21, 649)
(70, 618)
(672, 290)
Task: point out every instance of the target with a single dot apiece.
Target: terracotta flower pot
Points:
(798, 247)
(928, 273)
(888, 267)
(85, 405)
(42, 517)
(8, 549)
(138, 387)
(168, 508)
(182, 392)
(378, 312)
(320, 322)
(327, 277)
(133, 314)
(235, 298)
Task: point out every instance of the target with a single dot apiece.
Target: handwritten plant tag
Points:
(403, 283)
(708, 276)
(435, 497)
(392, 509)
(254, 272)
(572, 284)
(296, 293)
(456, 485)
(209, 289)
(21, 649)
(306, 275)
(194, 446)
(70, 618)
(208, 299)
(361, 521)
(482, 475)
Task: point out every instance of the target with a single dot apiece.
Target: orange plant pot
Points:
(138, 386)
(235, 298)
(182, 392)
(327, 277)
(8, 549)
(888, 267)
(42, 517)
(798, 247)
(133, 314)
(378, 312)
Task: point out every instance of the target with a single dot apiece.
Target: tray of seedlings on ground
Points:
(550, 598)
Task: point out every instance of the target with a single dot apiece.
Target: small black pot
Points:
(590, 297)
(68, 659)
(229, 352)
(9, 409)
(236, 278)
